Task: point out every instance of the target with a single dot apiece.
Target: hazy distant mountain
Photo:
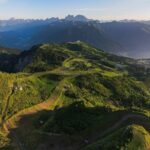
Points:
(77, 18)
(58, 32)
(15, 24)
(146, 22)
(134, 36)
(64, 31)
(126, 37)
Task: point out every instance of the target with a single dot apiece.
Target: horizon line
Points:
(61, 18)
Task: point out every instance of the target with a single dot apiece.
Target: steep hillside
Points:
(130, 138)
(46, 57)
(7, 56)
(73, 96)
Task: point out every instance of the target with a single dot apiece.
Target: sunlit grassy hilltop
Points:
(74, 96)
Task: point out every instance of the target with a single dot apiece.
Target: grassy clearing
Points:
(28, 91)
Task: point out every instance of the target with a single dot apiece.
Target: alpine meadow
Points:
(74, 75)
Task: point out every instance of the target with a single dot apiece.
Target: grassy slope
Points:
(85, 91)
(27, 91)
(128, 138)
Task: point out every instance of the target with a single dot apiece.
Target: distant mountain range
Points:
(127, 37)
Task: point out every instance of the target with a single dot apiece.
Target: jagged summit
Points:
(76, 18)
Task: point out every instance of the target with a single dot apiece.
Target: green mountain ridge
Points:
(73, 96)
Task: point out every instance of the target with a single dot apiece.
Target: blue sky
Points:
(96, 9)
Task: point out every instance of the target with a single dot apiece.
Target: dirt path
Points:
(117, 125)
(45, 106)
(17, 141)
(4, 114)
(11, 123)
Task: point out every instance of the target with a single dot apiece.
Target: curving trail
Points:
(46, 105)
(11, 123)
(119, 124)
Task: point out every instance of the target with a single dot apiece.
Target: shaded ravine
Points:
(117, 126)
(18, 142)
